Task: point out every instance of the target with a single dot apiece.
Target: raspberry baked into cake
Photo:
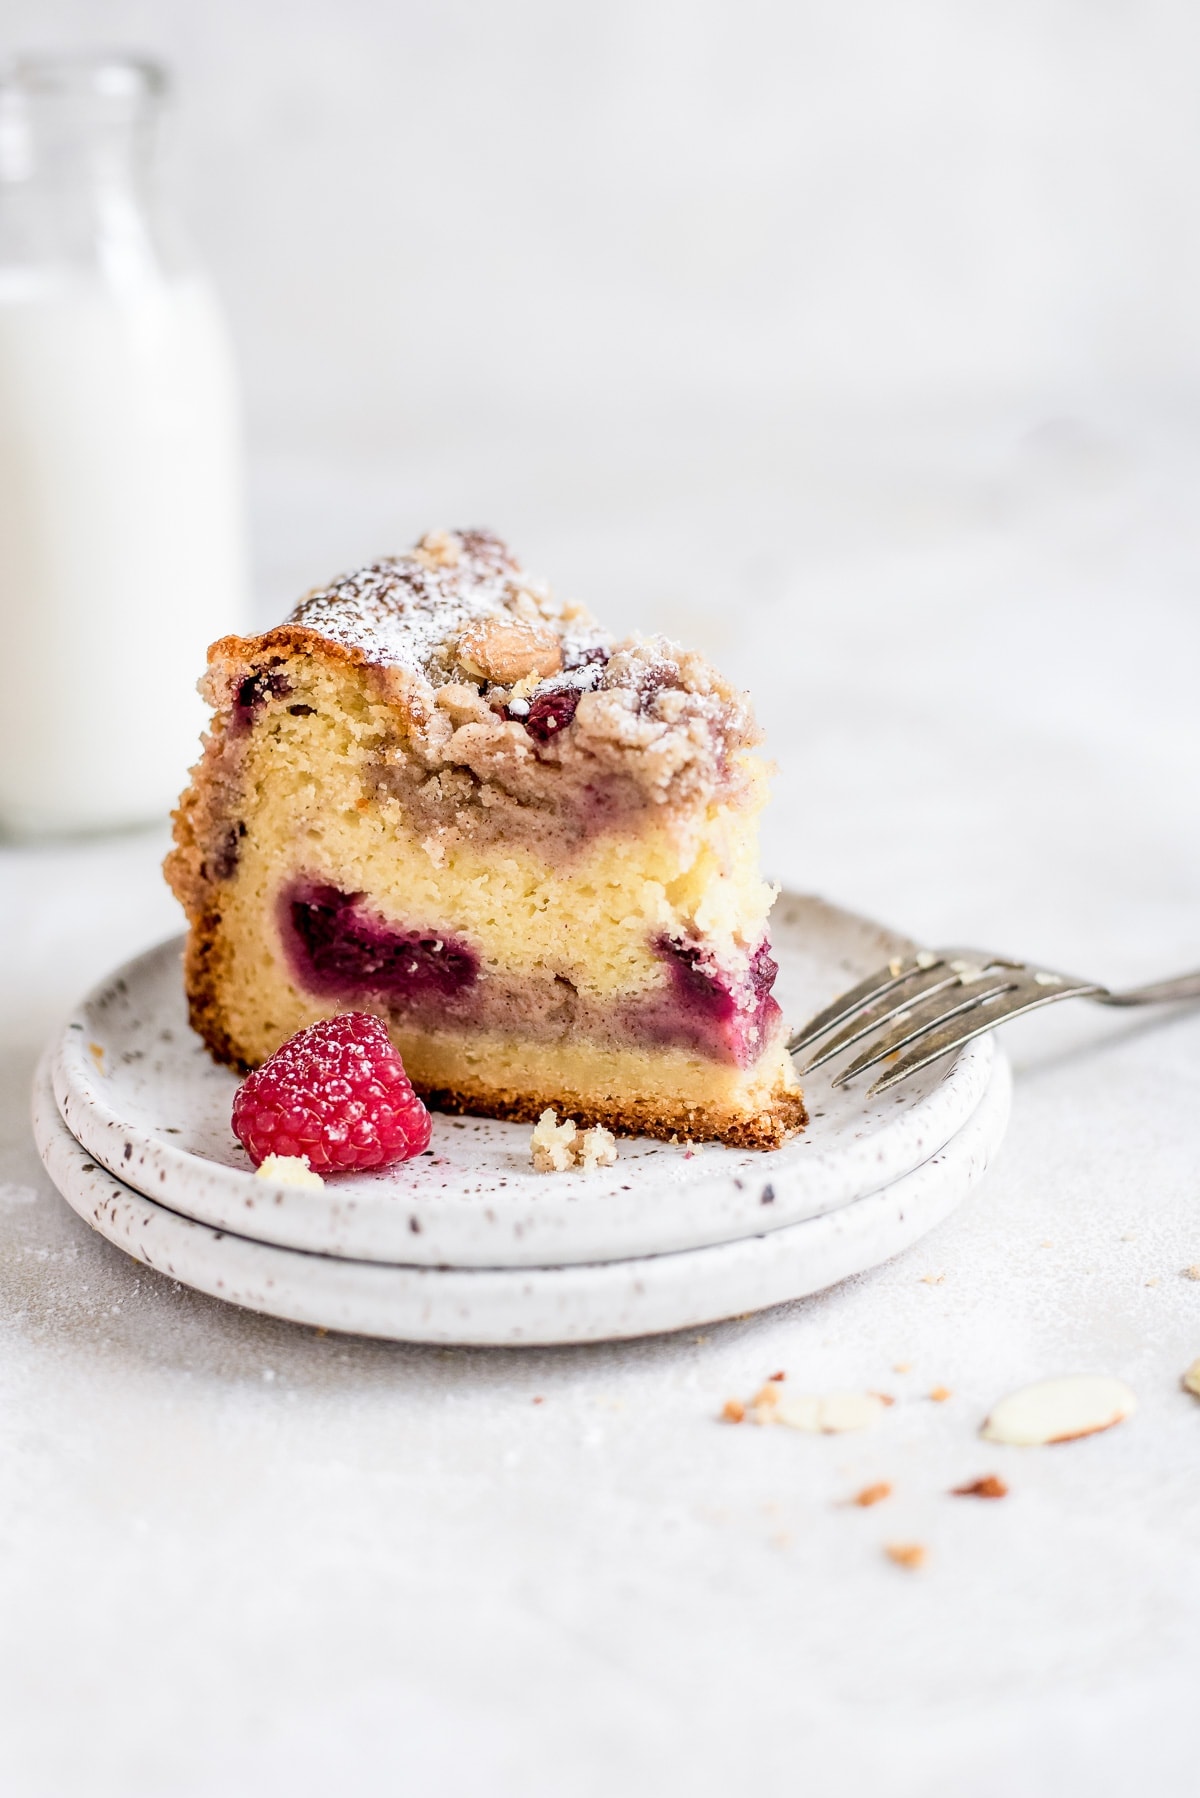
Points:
(438, 794)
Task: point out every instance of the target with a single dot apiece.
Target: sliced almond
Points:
(799, 1411)
(1191, 1379)
(1060, 1410)
(830, 1415)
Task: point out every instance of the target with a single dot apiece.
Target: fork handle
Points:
(1185, 986)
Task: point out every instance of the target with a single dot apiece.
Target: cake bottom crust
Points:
(766, 1129)
(635, 1092)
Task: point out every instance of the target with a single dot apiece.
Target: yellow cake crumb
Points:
(288, 1170)
(551, 1144)
(556, 1148)
(597, 1147)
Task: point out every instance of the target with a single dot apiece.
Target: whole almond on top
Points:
(505, 649)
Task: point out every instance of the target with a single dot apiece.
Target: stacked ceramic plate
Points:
(467, 1244)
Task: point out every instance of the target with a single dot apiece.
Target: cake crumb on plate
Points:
(287, 1170)
(557, 1148)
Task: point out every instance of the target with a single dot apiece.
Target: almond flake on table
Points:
(940, 1394)
(829, 1415)
(1193, 1272)
(1191, 1379)
(1059, 1410)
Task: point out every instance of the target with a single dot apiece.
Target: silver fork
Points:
(932, 1002)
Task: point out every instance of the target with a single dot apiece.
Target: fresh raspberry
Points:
(337, 1093)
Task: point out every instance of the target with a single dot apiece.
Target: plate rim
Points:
(660, 1294)
(335, 1222)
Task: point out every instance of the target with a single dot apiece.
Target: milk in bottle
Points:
(121, 533)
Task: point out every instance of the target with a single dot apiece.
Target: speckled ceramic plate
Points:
(140, 1092)
(592, 1302)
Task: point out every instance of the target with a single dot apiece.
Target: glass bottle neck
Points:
(78, 139)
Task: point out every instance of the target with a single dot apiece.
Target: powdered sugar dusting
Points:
(645, 706)
(409, 611)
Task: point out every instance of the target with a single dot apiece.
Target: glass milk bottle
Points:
(121, 534)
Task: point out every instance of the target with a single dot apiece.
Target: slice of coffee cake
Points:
(441, 795)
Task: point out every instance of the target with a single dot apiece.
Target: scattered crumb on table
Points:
(990, 1485)
(873, 1495)
(906, 1554)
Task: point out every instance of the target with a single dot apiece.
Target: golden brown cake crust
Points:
(206, 1014)
(768, 1129)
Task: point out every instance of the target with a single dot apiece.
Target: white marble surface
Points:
(858, 344)
(236, 1557)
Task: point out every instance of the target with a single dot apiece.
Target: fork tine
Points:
(932, 1048)
(920, 1022)
(897, 1005)
(963, 1027)
(876, 986)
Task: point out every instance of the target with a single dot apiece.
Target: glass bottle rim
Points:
(102, 75)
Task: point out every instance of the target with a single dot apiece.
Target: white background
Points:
(858, 343)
